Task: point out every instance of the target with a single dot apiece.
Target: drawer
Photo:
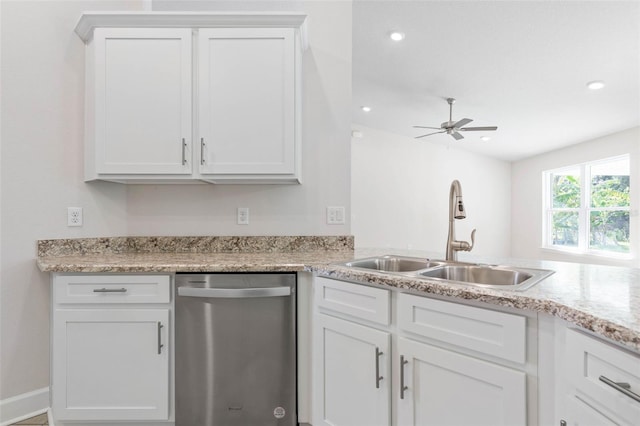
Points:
(356, 300)
(493, 333)
(590, 362)
(111, 289)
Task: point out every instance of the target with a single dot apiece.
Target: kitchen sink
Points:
(478, 274)
(391, 263)
(491, 276)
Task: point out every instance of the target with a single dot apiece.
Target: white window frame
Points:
(584, 211)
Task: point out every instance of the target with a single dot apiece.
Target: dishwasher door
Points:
(235, 350)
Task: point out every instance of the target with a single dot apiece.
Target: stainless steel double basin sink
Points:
(481, 275)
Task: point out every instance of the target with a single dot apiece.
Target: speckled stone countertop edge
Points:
(59, 266)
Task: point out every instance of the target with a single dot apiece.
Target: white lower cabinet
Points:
(442, 387)
(581, 413)
(110, 359)
(353, 380)
(368, 366)
(601, 381)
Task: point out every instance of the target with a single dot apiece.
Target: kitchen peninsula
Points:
(594, 300)
(602, 299)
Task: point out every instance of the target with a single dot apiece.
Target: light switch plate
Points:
(335, 215)
(243, 216)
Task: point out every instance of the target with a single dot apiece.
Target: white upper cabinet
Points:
(142, 100)
(247, 101)
(192, 97)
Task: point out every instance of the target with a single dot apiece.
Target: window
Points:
(587, 207)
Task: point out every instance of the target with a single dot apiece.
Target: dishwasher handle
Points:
(234, 293)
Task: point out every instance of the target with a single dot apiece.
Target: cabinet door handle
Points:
(402, 386)
(110, 290)
(622, 387)
(160, 345)
(202, 151)
(184, 147)
(378, 376)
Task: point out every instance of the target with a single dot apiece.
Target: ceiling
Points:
(520, 65)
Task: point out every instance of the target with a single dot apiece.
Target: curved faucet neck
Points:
(455, 194)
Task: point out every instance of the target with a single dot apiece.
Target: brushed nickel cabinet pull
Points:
(378, 376)
(202, 151)
(184, 147)
(110, 290)
(621, 387)
(402, 386)
(160, 345)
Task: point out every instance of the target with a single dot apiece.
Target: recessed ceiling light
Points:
(485, 138)
(595, 85)
(396, 36)
(365, 108)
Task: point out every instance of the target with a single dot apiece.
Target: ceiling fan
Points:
(453, 128)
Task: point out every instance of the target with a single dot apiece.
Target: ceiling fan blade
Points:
(457, 136)
(462, 122)
(477, 129)
(434, 133)
(423, 127)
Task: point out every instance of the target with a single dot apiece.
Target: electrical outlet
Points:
(243, 215)
(74, 216)
(335, 215)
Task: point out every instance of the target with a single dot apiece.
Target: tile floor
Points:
(37, 420)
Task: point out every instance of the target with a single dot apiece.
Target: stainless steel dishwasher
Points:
(235, 349)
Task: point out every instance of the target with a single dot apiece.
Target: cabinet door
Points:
(351, 370)
(142, 100)
(446, 388)
(581, 413)
(108, 364)
(247, 101)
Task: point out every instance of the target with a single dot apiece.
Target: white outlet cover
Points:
(74, 216)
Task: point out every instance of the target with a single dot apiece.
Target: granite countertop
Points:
(602, 299)
(192, 254)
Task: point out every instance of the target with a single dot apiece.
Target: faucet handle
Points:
(473, 239)
(465, 246)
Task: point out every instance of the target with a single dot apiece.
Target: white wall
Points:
(42, 115)
(400, 194)
(526, 194)
(274, 210)
(41, 163)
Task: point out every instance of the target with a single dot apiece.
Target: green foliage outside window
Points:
(609, 229)
(608, 224)
(566, 191)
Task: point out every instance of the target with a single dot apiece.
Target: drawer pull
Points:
(110, 290)
(625, 388)
(378, 376)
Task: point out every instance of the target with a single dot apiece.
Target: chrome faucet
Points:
(456, 211)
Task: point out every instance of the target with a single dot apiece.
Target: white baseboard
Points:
(24, 406)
